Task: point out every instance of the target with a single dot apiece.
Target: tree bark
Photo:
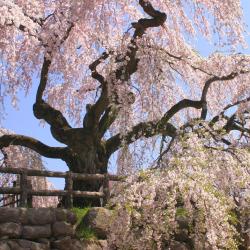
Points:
(88, 156)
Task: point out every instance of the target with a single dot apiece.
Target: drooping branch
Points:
(31, 143)
(25, 27)
(141, 130)
(234, 124)
(217, 117)
(237, 103)
(212, 77)
(207, 85)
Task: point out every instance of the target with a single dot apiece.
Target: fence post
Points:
(29, 196)
(18, 185)
(24, 189)
(14, 197)
(69, 188)
(106, 191)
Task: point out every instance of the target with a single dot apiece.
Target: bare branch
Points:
(185, 103)
(237, 103)
(233, 124)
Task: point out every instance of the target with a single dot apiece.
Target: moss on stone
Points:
(82, 231)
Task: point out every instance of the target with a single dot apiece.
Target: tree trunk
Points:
(87, 158)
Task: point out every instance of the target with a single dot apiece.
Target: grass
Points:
(80, 213)
(181, 211)
(82, 231)
(86, 233)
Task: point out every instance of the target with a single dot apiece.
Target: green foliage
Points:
(82, 231)
(232, 218)
(129, 207)
(80, 213)
(181, 211)
(143, 176)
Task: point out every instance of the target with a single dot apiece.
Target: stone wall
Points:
(37, 229)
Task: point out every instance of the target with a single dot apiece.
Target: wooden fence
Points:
(9, 201)
(26, 192)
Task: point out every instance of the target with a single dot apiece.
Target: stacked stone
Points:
(36, 229)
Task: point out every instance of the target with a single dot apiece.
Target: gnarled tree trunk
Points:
(86, 154)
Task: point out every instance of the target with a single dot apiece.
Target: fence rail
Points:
(26, 192)
(9, 200)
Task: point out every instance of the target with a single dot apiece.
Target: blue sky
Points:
(23, 122)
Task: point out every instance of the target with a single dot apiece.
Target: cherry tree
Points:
(198, 199)
(123, 75)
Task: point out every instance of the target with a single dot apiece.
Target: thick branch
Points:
(42, 110)
(144, 129)
(31, 143)
(152, 128)
(185, 103)
(107, 119)
(123, 73)
(94, 112)
(94, 65)
(43, 78)
(54, 117)
(158, 18)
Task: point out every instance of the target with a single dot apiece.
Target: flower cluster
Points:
(198, 198)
